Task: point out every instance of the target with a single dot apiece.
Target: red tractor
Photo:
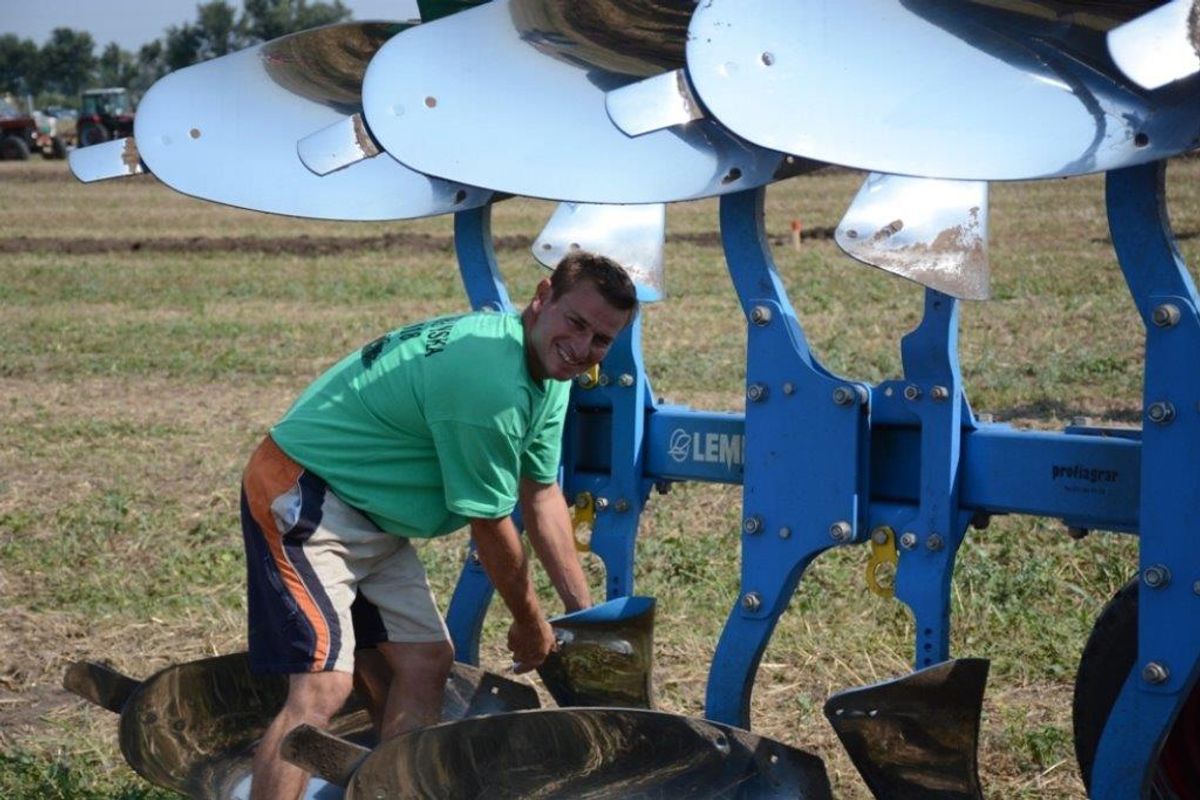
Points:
(18, 133)
(104, 114)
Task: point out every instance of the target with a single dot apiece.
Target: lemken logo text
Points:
(708, 448)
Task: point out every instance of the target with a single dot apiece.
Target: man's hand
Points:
(530, 643)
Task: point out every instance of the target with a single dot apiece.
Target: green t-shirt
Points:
(431, 424)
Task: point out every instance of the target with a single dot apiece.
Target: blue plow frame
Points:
(824, 461)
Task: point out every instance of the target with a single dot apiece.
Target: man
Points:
(436, 425)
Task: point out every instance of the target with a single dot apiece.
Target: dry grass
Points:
(133, 385)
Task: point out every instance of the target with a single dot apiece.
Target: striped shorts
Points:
(321, 577)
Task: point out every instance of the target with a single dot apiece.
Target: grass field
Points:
(147, 340)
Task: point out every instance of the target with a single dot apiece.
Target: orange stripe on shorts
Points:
(269, 474)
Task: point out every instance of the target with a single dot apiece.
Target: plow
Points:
(615, 109)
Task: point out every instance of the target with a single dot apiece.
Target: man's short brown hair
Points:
(610, 279)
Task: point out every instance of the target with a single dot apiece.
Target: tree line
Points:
(67, 63)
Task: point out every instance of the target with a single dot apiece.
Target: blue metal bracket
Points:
(485, 289)
(796, 503)
(931, 396)
(1168, 639)
(623, 396)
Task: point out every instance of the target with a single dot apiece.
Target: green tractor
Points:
(104, 114)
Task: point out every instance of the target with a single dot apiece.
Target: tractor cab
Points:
(104, 114)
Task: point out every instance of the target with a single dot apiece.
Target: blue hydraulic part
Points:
(1169, 558)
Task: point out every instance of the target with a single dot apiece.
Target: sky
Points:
(133, 23)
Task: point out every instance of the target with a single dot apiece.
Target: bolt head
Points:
(586, 381)
(760, 315)
(844, 396)
(912, 392)
(840, 531)
(908, 540)
(621, 505)
(880, 535)
(625, 380)
(934, 542)
(939, 393)
(1155, 673)
(752, 524)
(785, 532)
(601, 503)
(474, 557)
(604, 379)
(1165, 316)
(756, 392)
(1156, 576)
(789, 387)
(752, 601)
(1161, 412)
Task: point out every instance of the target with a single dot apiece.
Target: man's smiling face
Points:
(571, 333)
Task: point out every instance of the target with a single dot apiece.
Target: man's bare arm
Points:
(548, 524)
(503, 558)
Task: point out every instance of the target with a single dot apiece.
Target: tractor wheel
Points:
(91, 134)
(1107, 659)
(13, 148)
(58, 148)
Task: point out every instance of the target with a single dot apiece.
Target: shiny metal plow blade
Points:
(116, 159)
(226, 130)
(916, 737)
(930, 231)
(662, 101)
(1160, 46)
(587, 753)
(964, 90)
(633, 236)
(343, 143)
(192, 727)
(525, 112)
(605, 655)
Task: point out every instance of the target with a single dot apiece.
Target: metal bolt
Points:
(908, 540)
(844, 396)
(752, 524)
(789, 387)
(760, 315)
(939, 393)
(474, 557)
(601, 503)
(751, 601)
(583, 499)
(1166, 315)
(622, 505)
(756, 392)
(912, 392)
(880, 535)
(1155, 672)
(586, 381)
(934, 542)
(785, 532)
(1156, 576)
(625, 380)
(1161, 413)
(604, 379)
(840, 531)
(1077, 533)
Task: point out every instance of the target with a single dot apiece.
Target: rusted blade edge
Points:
(323, 754)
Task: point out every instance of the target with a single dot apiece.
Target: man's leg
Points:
(419, 673)
(313, 699)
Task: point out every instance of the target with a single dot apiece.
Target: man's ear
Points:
(541, 295)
